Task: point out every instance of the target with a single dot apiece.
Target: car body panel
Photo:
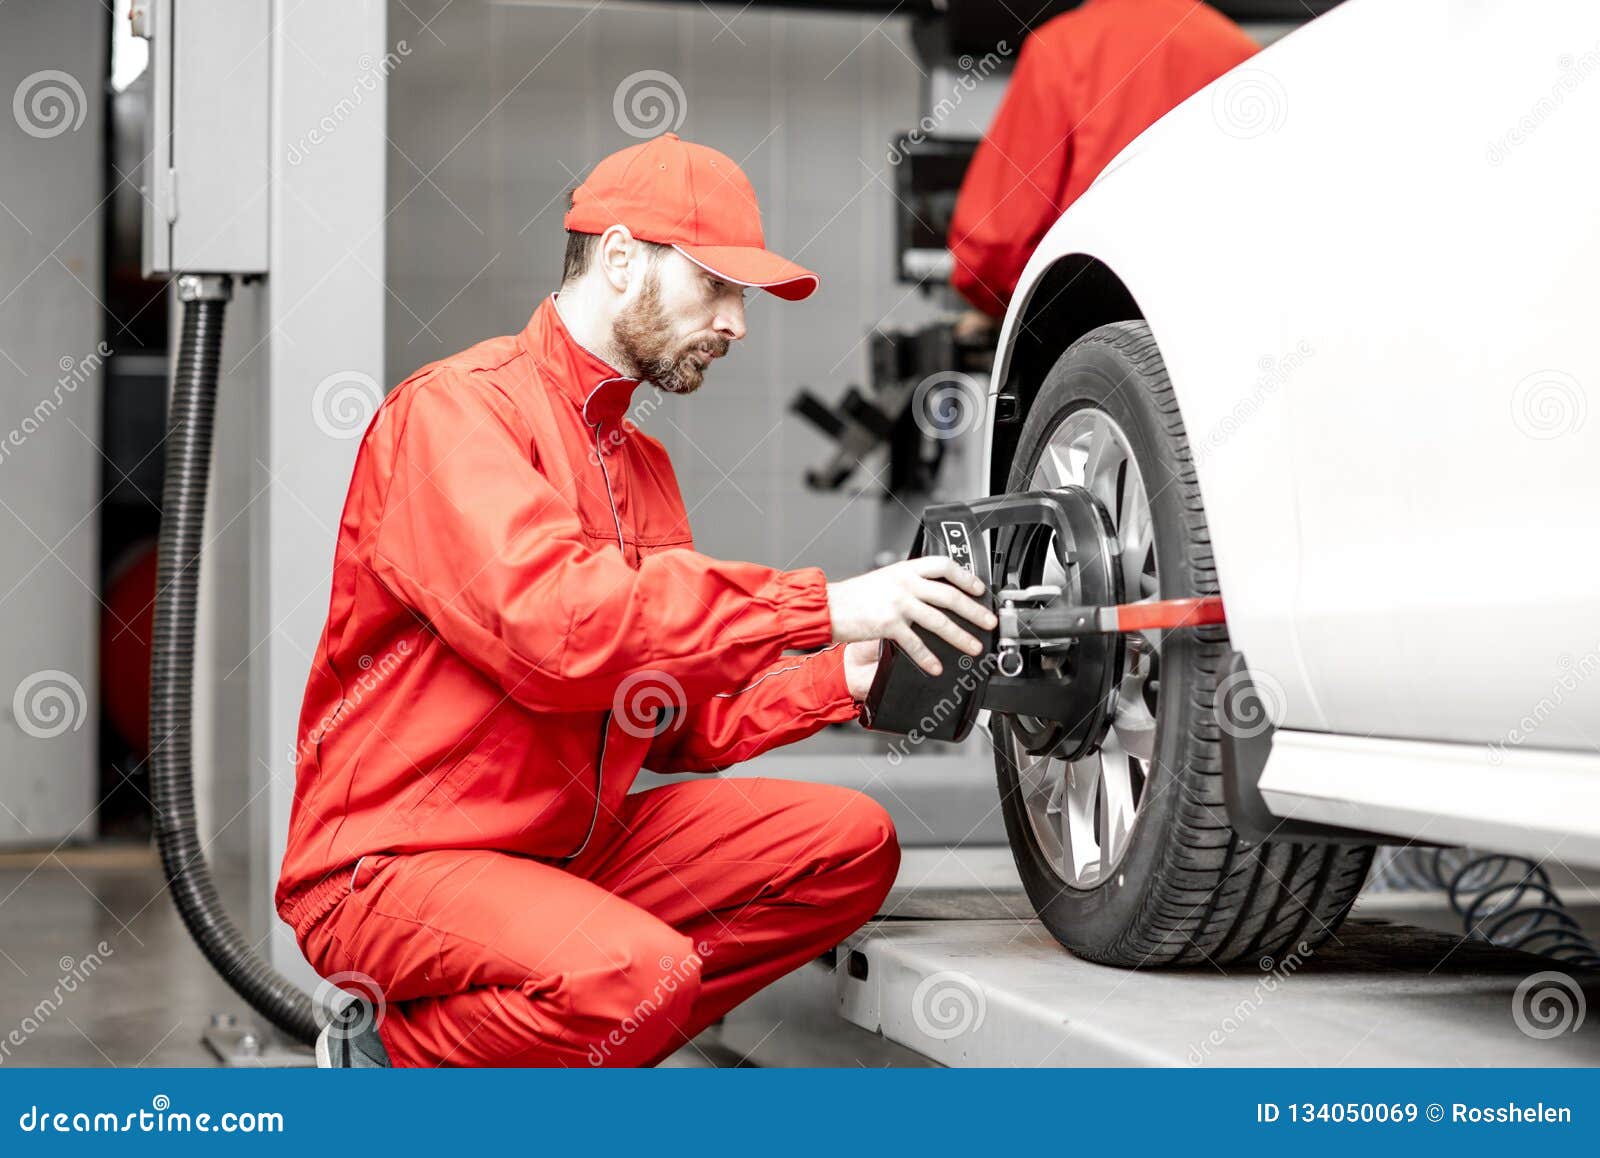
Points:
(1369, 256)
(1540, 804)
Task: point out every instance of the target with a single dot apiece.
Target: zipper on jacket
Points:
(605, 723)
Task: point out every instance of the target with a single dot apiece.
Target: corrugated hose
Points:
(183, 502)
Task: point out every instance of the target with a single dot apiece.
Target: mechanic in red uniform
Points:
(519, 622)
(1085, 84)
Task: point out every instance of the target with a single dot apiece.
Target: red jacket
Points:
(515, 592)
(1085, 84)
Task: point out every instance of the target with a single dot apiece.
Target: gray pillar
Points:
(324, 310)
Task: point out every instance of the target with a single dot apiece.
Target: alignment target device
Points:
(1056, 657)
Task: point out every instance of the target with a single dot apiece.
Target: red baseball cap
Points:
(693, 198)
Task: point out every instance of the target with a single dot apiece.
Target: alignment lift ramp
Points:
(1000, 991)
(957, 971)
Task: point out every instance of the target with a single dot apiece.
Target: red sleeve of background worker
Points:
(793, 698)
(1011, 193)
(477, 542)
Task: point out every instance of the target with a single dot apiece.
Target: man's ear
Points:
(616, 252)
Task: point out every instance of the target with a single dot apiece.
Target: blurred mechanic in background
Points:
(1085, 84)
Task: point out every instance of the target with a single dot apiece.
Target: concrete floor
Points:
(149, 1000)
(96, 968)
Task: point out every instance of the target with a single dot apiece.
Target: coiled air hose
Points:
(1505, 900)
(183, 503)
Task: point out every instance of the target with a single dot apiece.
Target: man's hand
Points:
(886, 603)
(860, 665)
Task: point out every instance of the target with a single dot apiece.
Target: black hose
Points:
(1505, 900)
(183, 503)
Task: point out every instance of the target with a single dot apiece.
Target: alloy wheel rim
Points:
(1082, 812)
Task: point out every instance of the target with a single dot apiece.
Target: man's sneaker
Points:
(351, 1041)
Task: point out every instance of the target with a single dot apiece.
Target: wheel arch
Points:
(1110, 273)
(1075, 294)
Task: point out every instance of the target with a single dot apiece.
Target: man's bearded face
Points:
(671, 347)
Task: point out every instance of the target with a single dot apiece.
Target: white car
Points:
(1323, 340)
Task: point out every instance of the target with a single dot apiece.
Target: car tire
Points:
(1185, 888)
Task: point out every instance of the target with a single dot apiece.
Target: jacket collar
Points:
(599, 391)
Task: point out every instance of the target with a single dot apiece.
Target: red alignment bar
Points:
(1167, 613)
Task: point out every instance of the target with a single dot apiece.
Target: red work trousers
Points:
(696, 896)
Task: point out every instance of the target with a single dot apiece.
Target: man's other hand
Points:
(889, 602)
(975, 328)
(860, 665)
